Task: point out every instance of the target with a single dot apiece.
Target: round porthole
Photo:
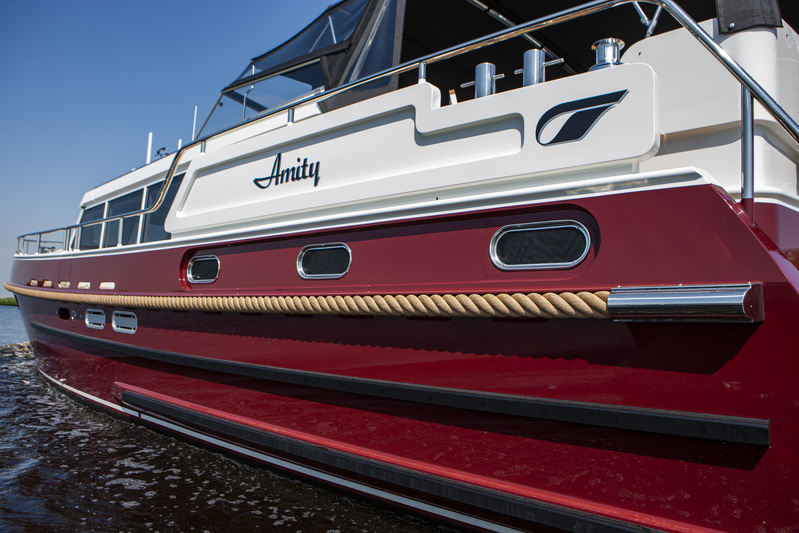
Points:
(324, 261)
(540, 245)
(203, 269)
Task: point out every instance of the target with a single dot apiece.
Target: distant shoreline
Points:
(8, 301)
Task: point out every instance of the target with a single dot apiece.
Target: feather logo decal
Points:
(572, 121)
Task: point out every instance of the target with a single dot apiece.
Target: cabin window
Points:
(126, 204)
(540, 245)
(130, 230)
(154, 222)
(90, 235)
(326, 261)
(152, 194)
(111, 236)
(93, 213)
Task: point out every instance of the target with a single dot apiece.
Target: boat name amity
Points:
(300, 172)
(584, 113)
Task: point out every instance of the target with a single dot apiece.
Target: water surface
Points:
(65, 467)
(11, 329)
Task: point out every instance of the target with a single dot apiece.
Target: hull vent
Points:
(95, 319)
(124, 322)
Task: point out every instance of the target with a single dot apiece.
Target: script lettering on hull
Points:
(293, 174)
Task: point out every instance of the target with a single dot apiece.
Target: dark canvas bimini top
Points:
(354, 39)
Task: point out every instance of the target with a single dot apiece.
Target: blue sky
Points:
(83, 83)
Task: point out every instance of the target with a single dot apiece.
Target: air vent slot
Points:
(95, 319)
(203, 269)
(540, 245)
(124, 322)
(325, 261)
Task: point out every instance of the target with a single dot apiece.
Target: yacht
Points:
(506, 264)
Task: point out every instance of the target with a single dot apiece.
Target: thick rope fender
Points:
(517, 305)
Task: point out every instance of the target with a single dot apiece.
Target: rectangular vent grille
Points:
(124, 322)
(95, 319)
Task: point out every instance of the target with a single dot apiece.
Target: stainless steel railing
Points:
(748, 84)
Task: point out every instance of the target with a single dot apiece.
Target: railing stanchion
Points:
(747, 154)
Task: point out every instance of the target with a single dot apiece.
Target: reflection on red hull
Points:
(671, 425)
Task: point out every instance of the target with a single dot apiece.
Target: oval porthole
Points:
(540, 245)
(203, 269)
(324, 261)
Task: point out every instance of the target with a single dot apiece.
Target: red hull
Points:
(623, 443)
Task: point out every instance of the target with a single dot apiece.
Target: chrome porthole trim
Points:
(201, 259)
(338, 273)
(536, 227)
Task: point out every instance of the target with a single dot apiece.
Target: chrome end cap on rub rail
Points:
(698, 303)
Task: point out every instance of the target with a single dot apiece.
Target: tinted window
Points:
(93, 213)
(90, 237)
(130, 229)
(125, 204)
(154, 222)
(111, 234)
(152, 194)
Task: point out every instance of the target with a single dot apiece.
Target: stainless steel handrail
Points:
(159, 200)
(747, 152)
(67, 242)
(760, 94)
